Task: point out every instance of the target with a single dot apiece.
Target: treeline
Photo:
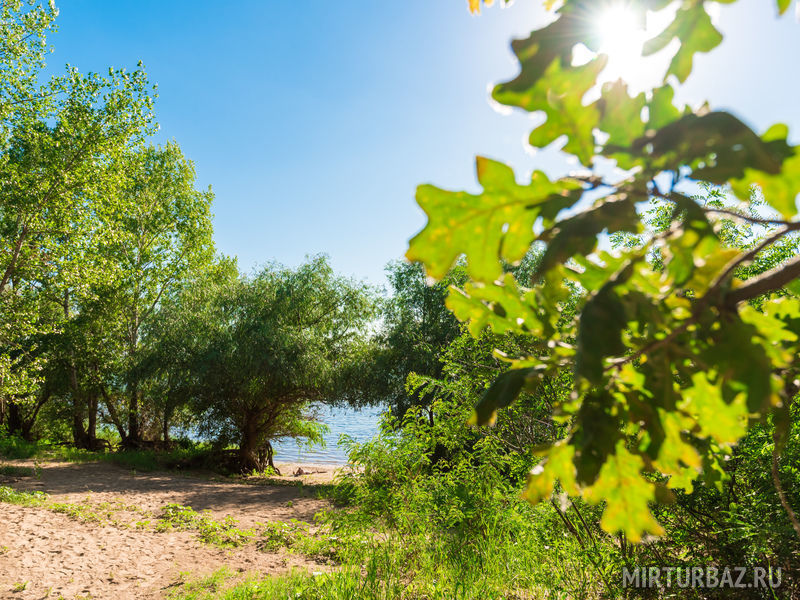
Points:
(116, 312)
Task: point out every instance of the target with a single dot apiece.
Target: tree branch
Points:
(781, 493)
(769, 281)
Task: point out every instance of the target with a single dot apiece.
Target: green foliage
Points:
(415, 328)
(677, 345)
(270, 345)
(12, 496)
(210, 531)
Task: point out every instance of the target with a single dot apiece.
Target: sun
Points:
(622, 33)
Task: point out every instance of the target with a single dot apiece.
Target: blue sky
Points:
(315, 121)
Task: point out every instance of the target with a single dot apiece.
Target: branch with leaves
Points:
(672, 361)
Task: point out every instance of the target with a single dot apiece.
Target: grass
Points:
(210, 531)
(297, 537)
(15, 471)
(12, 496)
(374, 562)
(138, 460)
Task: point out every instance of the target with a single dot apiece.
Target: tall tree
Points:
(416, 327)
(156, 233)
(61, 139)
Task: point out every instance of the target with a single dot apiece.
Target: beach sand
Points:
(51, 554)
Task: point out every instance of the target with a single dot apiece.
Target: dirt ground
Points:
(52, 555)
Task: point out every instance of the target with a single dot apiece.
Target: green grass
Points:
(374, 562)
(15, 471)
(138, 460)
(12, 496)
(210, 531)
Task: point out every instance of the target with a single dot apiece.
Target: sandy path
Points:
(61, 556)
(103, 482)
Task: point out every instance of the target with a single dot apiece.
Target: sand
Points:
(51, 554)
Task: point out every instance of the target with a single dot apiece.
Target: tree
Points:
(671, 364)
(275, 342)
(61, 139)
(155, 235)
(416, 327)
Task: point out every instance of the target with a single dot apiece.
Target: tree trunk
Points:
(91, 430)
(134, 431)
(248, 449)
(134, 435)
(14, 420)
(165, 430)
(112, 413)
(79, 436)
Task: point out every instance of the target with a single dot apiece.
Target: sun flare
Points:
(622, 34)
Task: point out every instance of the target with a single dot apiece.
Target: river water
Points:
(359, 424)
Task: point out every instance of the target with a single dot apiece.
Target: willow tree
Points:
(671, 365)
(275, 342)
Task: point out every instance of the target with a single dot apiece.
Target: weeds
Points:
(15, 471)
(218, 533)
(12, 496)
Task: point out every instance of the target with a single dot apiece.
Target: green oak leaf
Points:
(557, 466)
(780, 190)
(596, 431)
(723, 422)
(692, 26)
(501, 393)
(491, 227)
(661, 110)
(626, 494)
(578, 234)
(717, 146)
(677, 458)
(559, 96)
(602, 322)
(621, 115)
(740, 358)
(505, 307)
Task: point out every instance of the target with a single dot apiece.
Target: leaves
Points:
(489, 228)
(503, 391)
(717, 146)
(549, 82)
(600, 333)
(670, 364)
(626, 494)
(692, 26)
(578, 234)
(780, 189)
(557, 466)
(724, 422)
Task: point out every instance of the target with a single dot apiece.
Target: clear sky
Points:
(315, 121)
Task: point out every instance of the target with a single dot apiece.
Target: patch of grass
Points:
(15, 471)
(202, 587)
(297, 537)
(16, 447)
(12, 496)
(19, 587)
(102, 513)
(210, 531)
(82, 512)
(139, 460)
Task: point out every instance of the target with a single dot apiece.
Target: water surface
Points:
(359, 424)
